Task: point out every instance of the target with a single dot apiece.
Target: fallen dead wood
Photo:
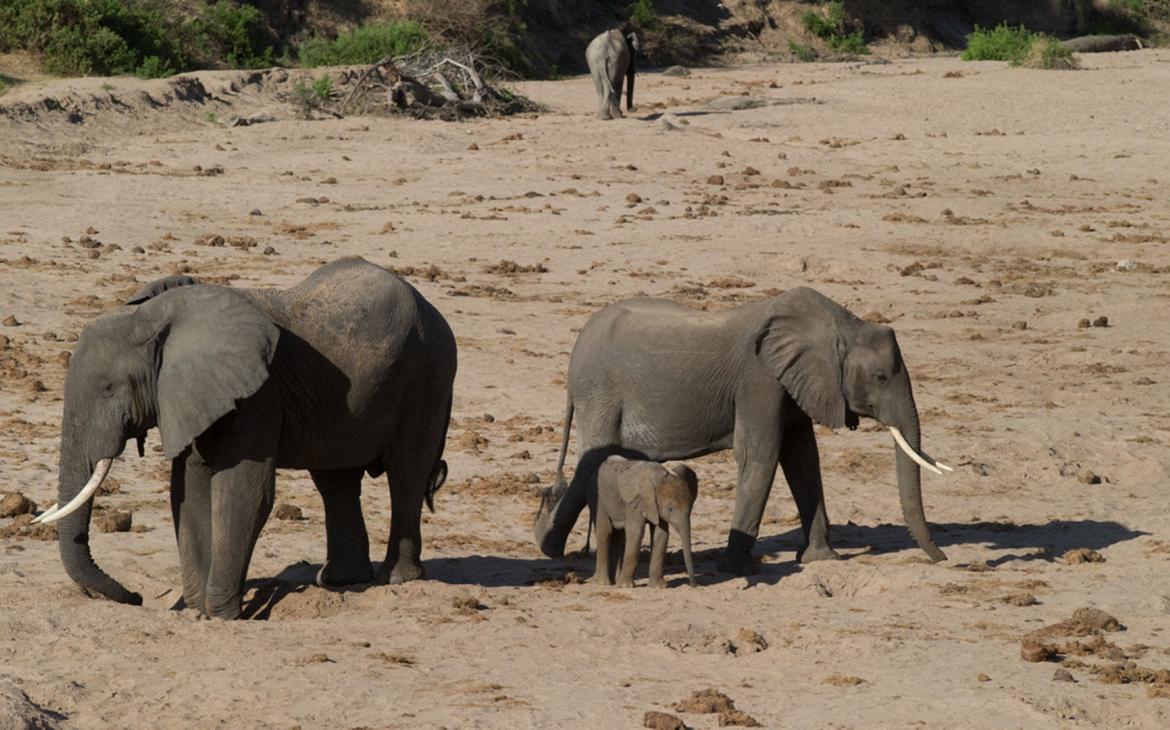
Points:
(1103, 43)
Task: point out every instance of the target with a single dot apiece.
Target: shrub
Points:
(231, 34)
(643, 14)
(832, 27)
(366, 44)
(1049, 53)
(1002, 43)
(802, 52)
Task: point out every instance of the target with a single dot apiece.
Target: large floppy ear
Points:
(216, 350)
(801, 342)
(638, 487)
(154, 288)
(687, 474)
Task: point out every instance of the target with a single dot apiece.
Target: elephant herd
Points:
(350, 372)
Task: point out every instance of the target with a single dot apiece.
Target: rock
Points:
(981, 677)
(1084, 323)
(138, 249)
(1063, 675)
(18, 712)
(1095, 618)
(286, 511)
(749, 641)
(715, 180)
(737, 718)
(843, 680)
(662, 721)
(269, 251)
(706, 701)
(1020, 599)
(1127, 265)
(1101, 321)
(10, 321)
(1032, 650)
(14, 504)
(1020, 325)
(22, 526)
(750, 171)
(1083, 555)
(256, 211)
(4, 342)
(633, 198)
(676, 71)
(113, 521)
(472, 147)
(1088, 476)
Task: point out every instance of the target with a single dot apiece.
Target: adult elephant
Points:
(653, 379)
(611, 61)
(349, 371)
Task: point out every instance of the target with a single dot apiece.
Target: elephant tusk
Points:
(48, 511)
(95, 481)
(901, 441)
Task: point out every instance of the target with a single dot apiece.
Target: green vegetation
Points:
(802, 52)
(367, 44)
(833, 28)
(1019, 47)
(643, 14)
(143, 37)
(1002, 43)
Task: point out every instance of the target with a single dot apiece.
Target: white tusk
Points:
(99, 475)
(898, 438)
(48, 511)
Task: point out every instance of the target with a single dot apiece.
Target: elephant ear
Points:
(800, 341)
(639, 486)
(154, 288)
(216, 351)
(687, 474)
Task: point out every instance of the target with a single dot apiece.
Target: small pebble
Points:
(715, 180)
(1020, 325)
(1088, 476)
(1084, 323)
(1101, 321)
(286, 511)
(1063, 675)
(10, 321)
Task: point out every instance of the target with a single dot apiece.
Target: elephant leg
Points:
(601, 573)
(801, 462)
(242, 457)
(659, 535)
(347, 558)
(602, 96)
(634, 530)
(617, 546)
(756, 452)
(191, 512)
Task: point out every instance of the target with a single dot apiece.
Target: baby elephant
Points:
(630, 494)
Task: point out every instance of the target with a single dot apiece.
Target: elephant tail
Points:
(438, 473)
(560, 486)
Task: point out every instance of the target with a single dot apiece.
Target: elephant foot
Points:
(814, 553)
(600, 579)
(737, 563)
(404, 571)
(623, 583)
(336, 574)
(656, 583)
(225, 609)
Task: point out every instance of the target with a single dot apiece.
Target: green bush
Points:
(643, 14)
(1002, 43)
(831, 27)
(802, 52)
(367, 44)
(1048, 53)
(144, 37)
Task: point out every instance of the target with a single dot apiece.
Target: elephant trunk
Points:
(73, 529)
(684, 535)
(910, 483)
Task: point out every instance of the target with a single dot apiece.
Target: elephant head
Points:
(178, 360)
(664, 494)
(838, 367)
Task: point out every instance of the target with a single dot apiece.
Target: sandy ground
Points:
(956, 200)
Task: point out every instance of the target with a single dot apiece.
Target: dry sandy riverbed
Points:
(955, 200)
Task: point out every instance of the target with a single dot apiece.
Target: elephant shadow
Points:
(1027, 542)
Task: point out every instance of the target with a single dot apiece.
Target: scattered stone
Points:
(633, 198)
(269, 251)
(1083, 324)
(748, 641)
(1088, 476)
(1083, 555)
(1063, 675)
(286, 511)
(737, 718)
(983, 677)
(10, 321)
(662, 721)
(4, 341)
(750, 171)
(113, 521)
(706, 702)
(1020, 325)
(14, 504)
(676, 71)
(1127, 265)
(468, 605)
(715, 180)
(19, 712)
(508, 267)
(472, 147)
(1020, 599)
(843, 680)
(1033, 650)
(210, 239)
(1101, 321)
(138, 249)
(22, 526)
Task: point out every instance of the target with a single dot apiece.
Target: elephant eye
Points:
(107, 388)
(881, 377)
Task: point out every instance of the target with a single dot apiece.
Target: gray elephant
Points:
(652, 379)
(349, 371)
(611, 61)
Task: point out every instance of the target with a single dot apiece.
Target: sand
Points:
(983, 211)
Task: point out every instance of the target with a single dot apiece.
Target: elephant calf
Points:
(611, 64)
(631, 494)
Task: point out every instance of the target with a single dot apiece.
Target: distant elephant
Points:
(611, 60)
(656, 380)
(630, 495)
(349, 371)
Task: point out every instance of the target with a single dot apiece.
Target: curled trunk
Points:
(910, 485)
(73, 533)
